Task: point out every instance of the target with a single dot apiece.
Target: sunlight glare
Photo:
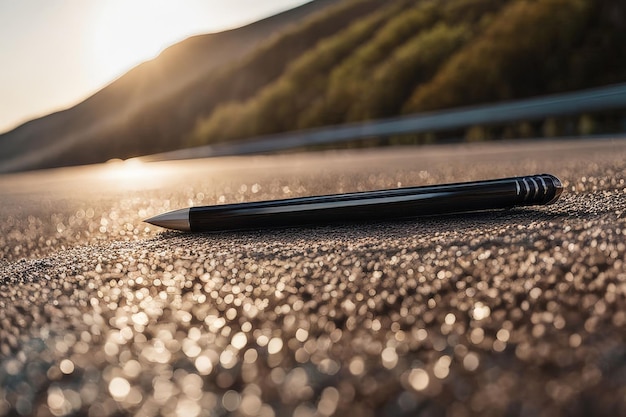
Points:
(134, 173)
(126, 33)
(130, 169)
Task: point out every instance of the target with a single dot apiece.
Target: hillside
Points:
(108, 124)
(429, 55)
(332, 62)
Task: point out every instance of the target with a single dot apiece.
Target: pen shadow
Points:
(391, 229)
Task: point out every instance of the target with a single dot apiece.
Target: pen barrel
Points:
(379, 205)
(496, 194)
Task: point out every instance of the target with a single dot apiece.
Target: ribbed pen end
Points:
(177, 220)
(538, 189)
(558, 188)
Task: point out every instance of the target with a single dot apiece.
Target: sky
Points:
(55, 53)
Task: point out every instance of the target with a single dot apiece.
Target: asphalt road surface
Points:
(508, 313)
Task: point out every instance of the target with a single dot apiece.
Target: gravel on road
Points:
(506, 313)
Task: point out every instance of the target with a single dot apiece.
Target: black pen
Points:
(366, 206)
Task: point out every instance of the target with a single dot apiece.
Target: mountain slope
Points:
(433, 55)
(93, 131)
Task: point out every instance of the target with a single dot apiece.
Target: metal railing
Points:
(587, 101)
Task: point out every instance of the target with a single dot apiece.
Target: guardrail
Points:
(587, 101)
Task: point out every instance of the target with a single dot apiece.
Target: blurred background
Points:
(122, 79)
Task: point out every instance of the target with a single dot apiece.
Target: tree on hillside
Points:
(350, 80)
(273, 109)
(414, 63)
(516, 56)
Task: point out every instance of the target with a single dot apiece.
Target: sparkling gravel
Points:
(508, 313)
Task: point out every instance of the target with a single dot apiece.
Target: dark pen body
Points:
(373, 205)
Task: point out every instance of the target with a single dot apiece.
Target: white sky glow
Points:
(55, 53)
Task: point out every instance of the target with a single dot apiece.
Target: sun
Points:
(124, 33)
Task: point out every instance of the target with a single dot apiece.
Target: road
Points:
(507, 313)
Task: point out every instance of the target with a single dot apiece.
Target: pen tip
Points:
(177, 220)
